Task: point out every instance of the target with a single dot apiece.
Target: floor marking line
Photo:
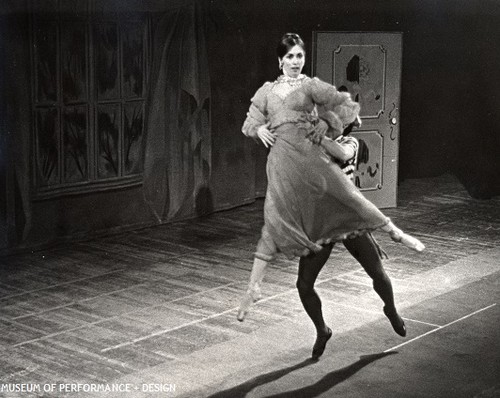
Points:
(422, 322)
(127, 313)
(41, 289)
(439, 328)
(353, 307)
(362, 309)
(161, 332)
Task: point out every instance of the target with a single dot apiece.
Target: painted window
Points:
(89, 76)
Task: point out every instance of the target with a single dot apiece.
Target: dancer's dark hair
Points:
(288, 41)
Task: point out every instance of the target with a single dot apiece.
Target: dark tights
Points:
(309, 269)
(363, 249)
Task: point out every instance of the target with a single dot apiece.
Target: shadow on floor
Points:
(326, 383)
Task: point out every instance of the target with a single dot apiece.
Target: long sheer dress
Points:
(309, 200)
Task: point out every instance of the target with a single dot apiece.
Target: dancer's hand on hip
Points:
(266, 136)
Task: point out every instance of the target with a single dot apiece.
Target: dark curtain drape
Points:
(177, 148)
(16, 118)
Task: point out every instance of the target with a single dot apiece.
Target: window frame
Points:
(91, 20)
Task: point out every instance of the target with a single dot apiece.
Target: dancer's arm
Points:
(341, 152)
(257, 113)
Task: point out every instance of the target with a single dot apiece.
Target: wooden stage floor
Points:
(152, 312)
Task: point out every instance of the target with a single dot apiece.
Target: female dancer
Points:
(309, 200)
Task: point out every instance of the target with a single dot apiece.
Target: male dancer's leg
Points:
(364, 249)
(309, 269)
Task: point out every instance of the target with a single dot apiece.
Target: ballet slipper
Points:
(396, 321)
(253, 292)
(251, 296)
(400, 237)
(407, 240)
(320, 344)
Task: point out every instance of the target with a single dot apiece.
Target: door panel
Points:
(368, 65)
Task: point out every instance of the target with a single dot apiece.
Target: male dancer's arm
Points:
(342, 152)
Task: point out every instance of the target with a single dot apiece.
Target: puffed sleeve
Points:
(335, 125)
(321, 92)
(335, 107)
(257, 114)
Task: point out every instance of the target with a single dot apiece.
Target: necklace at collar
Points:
(292, 81)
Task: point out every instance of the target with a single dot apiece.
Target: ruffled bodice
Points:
(273, 104)
(309, 200)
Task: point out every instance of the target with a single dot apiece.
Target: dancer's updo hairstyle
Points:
(288, 41)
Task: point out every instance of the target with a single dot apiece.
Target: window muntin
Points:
(89, 91)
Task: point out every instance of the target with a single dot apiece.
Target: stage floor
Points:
(152, 312)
